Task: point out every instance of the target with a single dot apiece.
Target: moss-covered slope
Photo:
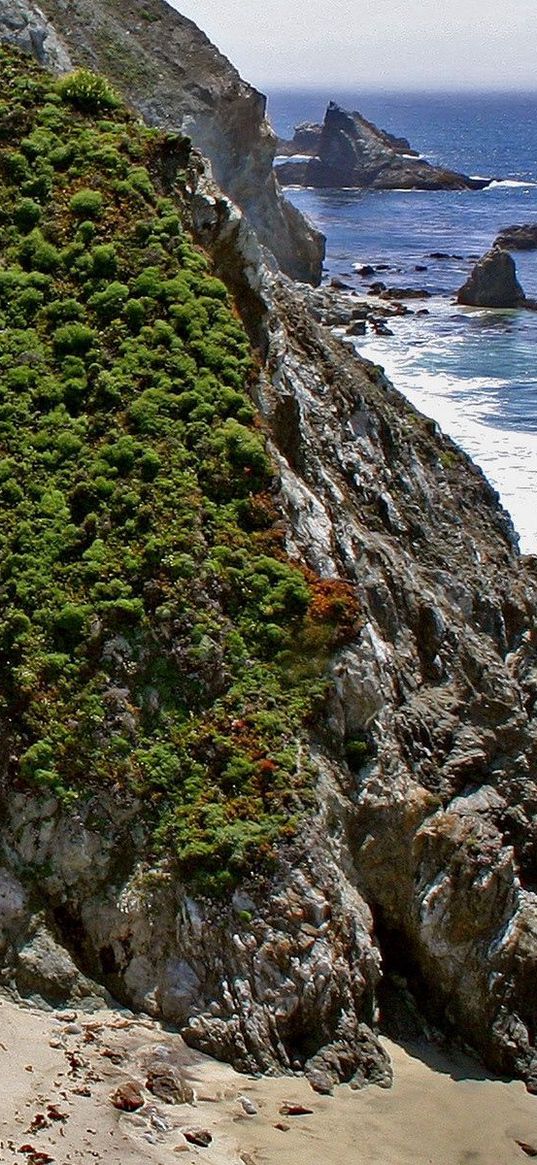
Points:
(150, 622)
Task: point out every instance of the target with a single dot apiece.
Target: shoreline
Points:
(442, 1109)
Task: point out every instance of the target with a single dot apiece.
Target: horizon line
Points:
(348, 87)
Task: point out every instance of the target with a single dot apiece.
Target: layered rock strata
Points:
(349, 151)
(168, 70)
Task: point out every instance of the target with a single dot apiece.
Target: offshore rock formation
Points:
(520, 237)
(168, 70)
(307, 136)
(493, 283)
(347, 150)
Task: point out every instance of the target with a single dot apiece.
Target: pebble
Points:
(201, 1137)
(248, 1105)
(287, 1109)
(128, 1097)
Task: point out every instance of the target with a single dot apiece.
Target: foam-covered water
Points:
(475, 372)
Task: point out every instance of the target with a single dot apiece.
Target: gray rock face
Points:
(493, 282)
(351, 151)
(521, 237)
(281, 978)
(442, 833)
(24, 25)
(169, 70)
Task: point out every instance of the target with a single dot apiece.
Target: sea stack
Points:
(493, 283)
(349, 151)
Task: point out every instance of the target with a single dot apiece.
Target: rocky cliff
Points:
(193, 818)
(348, 150)
(168, 70)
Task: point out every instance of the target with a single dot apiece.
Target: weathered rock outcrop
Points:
(521, 237)
(426, 763)
(169, 70)
(493, 282)
(441, 683)
(307, 136)
(350, 151)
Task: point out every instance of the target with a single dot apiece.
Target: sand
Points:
(441, 1111)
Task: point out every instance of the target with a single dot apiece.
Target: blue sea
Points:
(473, 371)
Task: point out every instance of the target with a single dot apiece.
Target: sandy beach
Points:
(60, 1070)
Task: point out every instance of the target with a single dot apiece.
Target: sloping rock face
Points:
(307, 137)
(168, 69)
(441, 835)
(493, 282)
(350, 151)
(520, 237)
(426, 831)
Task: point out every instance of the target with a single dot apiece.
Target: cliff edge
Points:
(270, 730)
(169, 71)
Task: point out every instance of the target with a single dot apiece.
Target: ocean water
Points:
(474, 371)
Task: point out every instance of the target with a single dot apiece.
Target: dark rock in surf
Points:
(522, 237)
(493, 283)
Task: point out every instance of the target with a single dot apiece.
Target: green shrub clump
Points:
(88, 92)
(86, 204)
(149, 617)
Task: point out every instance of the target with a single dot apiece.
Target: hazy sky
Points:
(363, 44)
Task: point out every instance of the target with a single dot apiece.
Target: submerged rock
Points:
(493, 283)
(347, 150)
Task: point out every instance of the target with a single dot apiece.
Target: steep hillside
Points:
(267, 648)
(170, 72)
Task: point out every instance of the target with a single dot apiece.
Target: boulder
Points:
(493, 282)
(350, 151)
(521, 237)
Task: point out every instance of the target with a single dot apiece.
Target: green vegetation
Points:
(154, 639)
(87, 91)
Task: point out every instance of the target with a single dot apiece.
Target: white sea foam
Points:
(507, 457)
(509, 182)
(281, 158)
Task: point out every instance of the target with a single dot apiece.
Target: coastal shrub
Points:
(104, 261)
(86, 204)
(87, 91)
(73, 339)
(109, 304)
(152, 630)
(36, 254)
(86, 231)
(27, 214)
